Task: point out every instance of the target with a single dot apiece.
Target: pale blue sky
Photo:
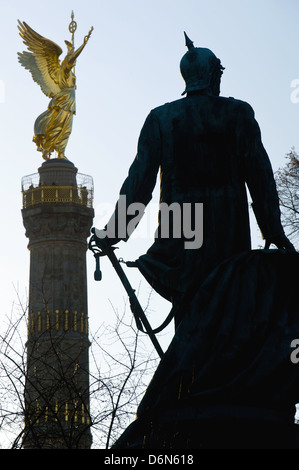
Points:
(131, 65)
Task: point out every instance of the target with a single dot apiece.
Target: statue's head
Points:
(200, 69)
(70, 47)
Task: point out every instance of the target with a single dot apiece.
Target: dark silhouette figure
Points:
(207, 148)
(227, 379)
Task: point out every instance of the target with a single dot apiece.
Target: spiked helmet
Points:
(198, 67)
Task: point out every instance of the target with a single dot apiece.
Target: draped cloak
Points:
(229, 378)
(54, 126)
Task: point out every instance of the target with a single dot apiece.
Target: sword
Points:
(99, 249)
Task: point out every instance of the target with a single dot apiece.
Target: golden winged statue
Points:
(57, 81)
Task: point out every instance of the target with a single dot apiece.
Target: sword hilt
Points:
(98, 272)
(99, 248)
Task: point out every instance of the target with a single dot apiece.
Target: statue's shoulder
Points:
(228, 106)
(171, 105)
(237, 105)
(221, 100)
(166, 111)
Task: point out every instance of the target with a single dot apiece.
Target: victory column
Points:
(57, 215)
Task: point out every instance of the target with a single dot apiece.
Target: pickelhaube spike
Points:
(189, 43)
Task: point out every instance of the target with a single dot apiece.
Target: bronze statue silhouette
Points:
(207, 149)
(226, 379)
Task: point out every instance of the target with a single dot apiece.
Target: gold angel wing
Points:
(42, 61)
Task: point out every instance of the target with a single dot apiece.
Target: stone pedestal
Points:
(57, 215)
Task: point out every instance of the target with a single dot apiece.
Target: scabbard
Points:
(136, 308)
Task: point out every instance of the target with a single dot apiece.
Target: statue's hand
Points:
(104, 238)
(88, 35)
(282, 242)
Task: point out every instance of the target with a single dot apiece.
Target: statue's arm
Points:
(80, 49)
(136, 191)
(261, 184)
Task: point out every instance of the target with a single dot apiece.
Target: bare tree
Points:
(287, 181)
(119, 371)
(120, 378)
